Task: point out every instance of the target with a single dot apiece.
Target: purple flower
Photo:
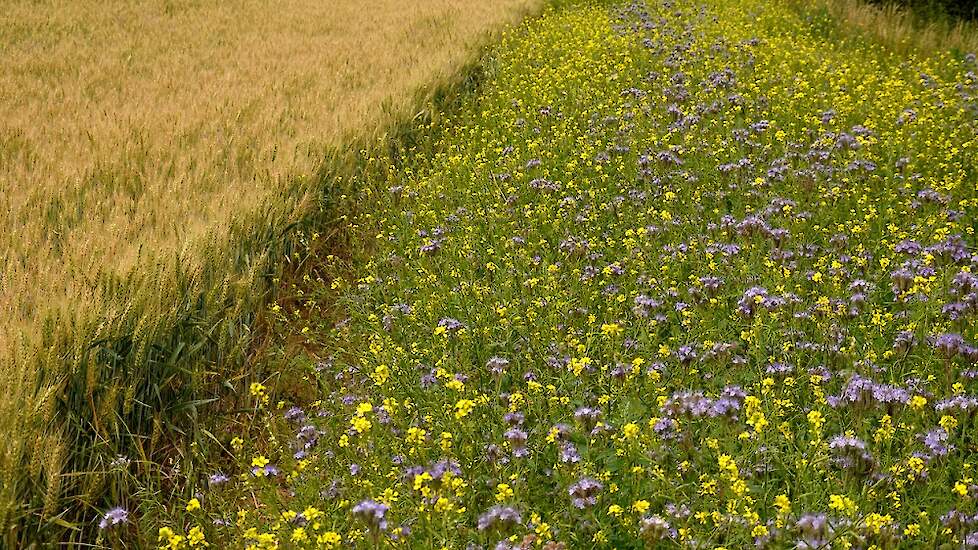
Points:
(514, 418)
(216, 479)
(908, 247)
(860, 391)
(963, 404)
(686, 354)
(655, 528)
(432, 246)
(936, 442)
(948, 344)
(114, 517)
(308, 436)
(753, 225)
(497, 365)
(295, 414)
(964, 283)
(373, 513)
(569, 454)
(850, 453)
(587, 416)
(781, 369)
(752, 297)
(814, 531)
(645, 307)
(443, 466)
(904, 341)
(584, 493)
(517, 440)
(499, 517)
(902, 280)
(269, 470)
(452, 325)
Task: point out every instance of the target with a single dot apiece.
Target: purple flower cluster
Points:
(756, 298)
(950, 345)
(695, 404)
(373, 513)
(584, 492)
(850, 453)
(814, 531)
(655, 528)
(959, 404)
(863, 392)
(499, 518)
(113, 517)
(936, 442)
(497, 366)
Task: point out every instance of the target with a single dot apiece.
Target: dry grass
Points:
(900, 29)
(140, 142)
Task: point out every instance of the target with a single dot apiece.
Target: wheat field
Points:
(136, 138)
(130, 128)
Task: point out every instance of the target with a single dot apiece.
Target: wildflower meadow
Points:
(677, 273)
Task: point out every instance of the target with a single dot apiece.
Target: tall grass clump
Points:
(158, 162)
(683, 273)
(943, 9)
(897, 26)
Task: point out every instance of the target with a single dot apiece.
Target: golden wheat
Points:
(128, 128)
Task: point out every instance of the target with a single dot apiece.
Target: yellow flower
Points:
(729, 466)
(329, 539)
(312, 514)
(843, 504)
(641, 506)
(194, 504)
(630, 430)
(503, 492)
(443, 505)
(196, 537)
(782, 503)
(816, 419)
(463, 408)
(875, 522)
(175, 542)
(299, 535)
(360, 424)
(259, 462)
(416, 435)
(165, 533)
(886, 430)
(381, 374)
(948, 423)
